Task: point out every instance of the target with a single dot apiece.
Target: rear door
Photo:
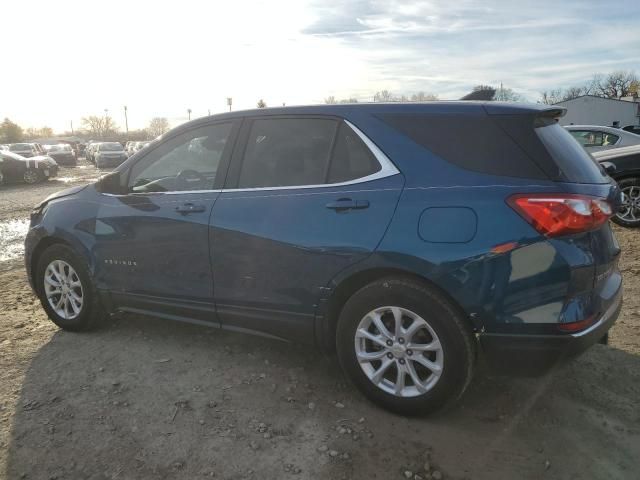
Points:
(306, 198)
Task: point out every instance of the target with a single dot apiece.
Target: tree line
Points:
(618, 84)
(93, 127)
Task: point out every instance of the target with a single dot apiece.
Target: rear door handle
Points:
(186, 208)
(344, 204)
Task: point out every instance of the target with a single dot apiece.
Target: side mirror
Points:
(111, 183)
(609, 167)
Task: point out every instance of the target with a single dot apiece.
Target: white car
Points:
(594, 138)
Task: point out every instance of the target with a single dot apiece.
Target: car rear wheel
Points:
(405, 346)
(628, 214)
(31, 176)
(66, 291)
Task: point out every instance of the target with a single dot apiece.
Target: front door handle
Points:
(345, 204)
(188, 207)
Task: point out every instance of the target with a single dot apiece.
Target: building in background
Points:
(592, 110)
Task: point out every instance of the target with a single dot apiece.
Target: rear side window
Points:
(594, 138)
(351, 158)
(287, 152)
(472, 142)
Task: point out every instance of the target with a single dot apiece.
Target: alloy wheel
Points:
(399, 351)
(630, 208)
(31, 176)
(63, 289)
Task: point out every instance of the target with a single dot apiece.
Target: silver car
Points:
(594, 138)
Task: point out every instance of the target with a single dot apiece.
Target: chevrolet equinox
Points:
(411, 238)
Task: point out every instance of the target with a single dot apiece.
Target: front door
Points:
(152, 244)
(308, 198)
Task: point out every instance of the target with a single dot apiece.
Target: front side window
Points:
(187, 162)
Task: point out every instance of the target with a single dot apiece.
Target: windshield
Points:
(110, 147)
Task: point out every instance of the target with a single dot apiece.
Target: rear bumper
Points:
(536, 354)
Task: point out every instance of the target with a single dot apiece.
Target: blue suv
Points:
(411, 238)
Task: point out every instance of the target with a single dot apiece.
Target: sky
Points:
(64, 59)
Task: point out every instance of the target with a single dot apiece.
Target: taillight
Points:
(561, 214)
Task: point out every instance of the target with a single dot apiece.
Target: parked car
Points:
(109, 154)
(62, 153)
(90, 151)
(408, 237)
(624, 166)
(137, 146)
(595, 138)
(128, 147)
(16, 168)
(24, 149)
(632, 128)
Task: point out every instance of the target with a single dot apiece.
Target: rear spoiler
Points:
(544, 115)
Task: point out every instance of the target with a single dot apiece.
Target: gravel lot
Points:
(144, 398)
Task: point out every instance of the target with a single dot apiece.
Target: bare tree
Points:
(10, 132)
(158, 126)
(480, 92)
(99, 126)
(31, 132)
(618, 84)
(507, 95)
(383, 96)
(349, 100)
(331, 100)
(262, 104)
(423, 97)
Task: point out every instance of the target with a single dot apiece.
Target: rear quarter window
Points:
(574, 163)
(473, 142)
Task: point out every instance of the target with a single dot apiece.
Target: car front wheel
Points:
(31, 176)
(628, 214)
(405, 346)
(66, 291)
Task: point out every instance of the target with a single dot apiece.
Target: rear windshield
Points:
(506, 145)
(573, 161)
(110, 147)
(470, 141)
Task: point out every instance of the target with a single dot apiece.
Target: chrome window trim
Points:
(387, 169)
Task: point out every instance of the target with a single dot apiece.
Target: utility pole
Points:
(126, 122)
(189, 112)
(71, 127)
(104, 129)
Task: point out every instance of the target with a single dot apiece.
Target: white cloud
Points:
(77, 58)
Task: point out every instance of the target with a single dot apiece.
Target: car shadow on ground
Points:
(146, 398)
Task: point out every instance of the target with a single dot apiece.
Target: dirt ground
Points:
(144, 398)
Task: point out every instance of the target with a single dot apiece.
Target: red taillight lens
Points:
(561, 214)
(573, 327)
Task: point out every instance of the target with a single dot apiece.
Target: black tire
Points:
(91, 313)
(31, 176)
(450, 326)
(627, 183)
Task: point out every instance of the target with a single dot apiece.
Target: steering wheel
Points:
(189, 176)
